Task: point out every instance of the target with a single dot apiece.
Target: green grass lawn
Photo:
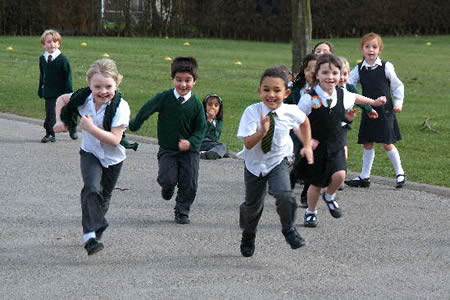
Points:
(423, 69)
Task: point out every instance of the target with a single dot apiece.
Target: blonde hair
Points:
(371, 36)
(345, 64)
(55, 34)
(106, 67)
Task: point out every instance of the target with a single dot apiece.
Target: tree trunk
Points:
(301, 31)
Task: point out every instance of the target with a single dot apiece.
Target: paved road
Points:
(389, 244)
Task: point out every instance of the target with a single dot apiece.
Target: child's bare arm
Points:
(112, 137)
(60, 103)
(304, 134)
(359, 99)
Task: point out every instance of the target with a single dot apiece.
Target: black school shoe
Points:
(358, 182)
(333, 207)
(402, 182)
(92, 246)
(248, 244)
(294, 239)
(48, 138)
(167, 193)
(182, 219)
(310, 220)
(73, 134)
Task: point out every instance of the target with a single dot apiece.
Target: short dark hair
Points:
(184, 64)
(276, 72)
(219, 116)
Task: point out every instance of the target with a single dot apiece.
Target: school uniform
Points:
(55, 79)
(268, 168)
(378, 80)
(325, 120)
(177, 119)
(211, 142)
(100, 167)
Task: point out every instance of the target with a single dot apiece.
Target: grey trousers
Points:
(179, 168)
(255, 193)
(214, 146)
(96, 194)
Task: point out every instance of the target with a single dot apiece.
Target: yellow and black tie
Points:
(266, 143)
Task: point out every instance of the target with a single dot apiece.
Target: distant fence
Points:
(263, 20)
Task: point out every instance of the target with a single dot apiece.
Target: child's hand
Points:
(373, 114)
(379, 101)
(60, 127)
(308, 153)
(211, 115)
(184, 145)
(314, 144)
(351, 114)
(397, 108)
(86, 123)
(265, 123)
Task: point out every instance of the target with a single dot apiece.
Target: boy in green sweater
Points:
(55, 79)
(181, 128)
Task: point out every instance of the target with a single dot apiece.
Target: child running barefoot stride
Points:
(325, 107)
(211, 148)
(105, 116)
(264, 128)
(378, 78)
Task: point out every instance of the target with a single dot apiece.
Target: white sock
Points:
(368, 157)
(329, 197)
(88, 236)
(394, 156)
(311, 212)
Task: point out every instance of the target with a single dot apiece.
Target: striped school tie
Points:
(49, 59)
(181, 100)
(266, 143)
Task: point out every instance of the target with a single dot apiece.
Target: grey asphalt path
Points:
(390, 244)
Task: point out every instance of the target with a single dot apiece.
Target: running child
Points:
(104, 118)
(181, 129)
(325, 105)
(264, 129)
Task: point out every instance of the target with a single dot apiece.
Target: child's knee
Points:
(368, 146)
(388, 147)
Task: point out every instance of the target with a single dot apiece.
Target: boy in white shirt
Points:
(264, 128)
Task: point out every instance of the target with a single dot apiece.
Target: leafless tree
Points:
(301, 31)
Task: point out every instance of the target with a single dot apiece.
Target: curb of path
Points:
(415, 186)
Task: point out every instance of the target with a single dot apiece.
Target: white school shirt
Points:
(186, 97)
(107, 154)
(305, 103)
(287, 117)
(397, 87)
(54, 55)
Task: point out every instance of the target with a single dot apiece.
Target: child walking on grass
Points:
(104, 118)
(264, 128)
(378, 78)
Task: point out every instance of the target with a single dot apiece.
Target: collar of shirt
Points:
(324, 96)
(375, 64)
(91, 103)
(186, 97)
(54, 55)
